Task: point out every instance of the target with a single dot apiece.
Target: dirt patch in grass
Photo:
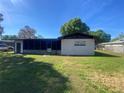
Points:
(115, 82)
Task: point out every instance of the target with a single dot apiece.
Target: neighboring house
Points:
(74, 44)
(116, 46)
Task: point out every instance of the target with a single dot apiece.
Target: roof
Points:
(37, 39)
(77, 36)
(121, 39)
(7, 41)
(71, 36)
(115, 42)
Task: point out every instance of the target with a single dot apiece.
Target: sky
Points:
(47, 16)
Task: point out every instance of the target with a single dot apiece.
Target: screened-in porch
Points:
(38, 46)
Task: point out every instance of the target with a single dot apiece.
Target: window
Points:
(80, 43)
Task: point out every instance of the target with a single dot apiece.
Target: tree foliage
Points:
(1, 17)
(101, 36)
(73, 26)
(9, 37)
(119, 37)
(27, 33)
(1, 28)
(38, 37)
(77, 26)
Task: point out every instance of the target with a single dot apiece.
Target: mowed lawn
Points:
(102, 73)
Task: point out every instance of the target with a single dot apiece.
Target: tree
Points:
(74, 26)
(101, 36)
(1, 28)
(27, 33)
(39, 37)
(119, 37)
(9, 37)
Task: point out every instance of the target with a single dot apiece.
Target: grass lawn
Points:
(102, 73)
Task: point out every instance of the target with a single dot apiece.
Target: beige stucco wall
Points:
(68, 47)
(117, 48)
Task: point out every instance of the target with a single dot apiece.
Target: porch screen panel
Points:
(43, 44)
(37, 44)
(58, 45)
(32, 44)
(54, 45)
(26, 44)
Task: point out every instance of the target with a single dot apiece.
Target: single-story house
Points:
(116, 46)
(74, 44)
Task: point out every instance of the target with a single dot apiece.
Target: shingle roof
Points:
(77, 36)
(115, 42)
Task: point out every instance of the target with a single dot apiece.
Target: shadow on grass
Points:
(102, 54)
(97, 54)
(19, 74)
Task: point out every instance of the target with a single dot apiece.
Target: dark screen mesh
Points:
(41, 44)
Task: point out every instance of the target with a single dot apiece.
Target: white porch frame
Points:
(21, 42)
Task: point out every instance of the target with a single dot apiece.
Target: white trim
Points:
(21, 47)
(21, 42)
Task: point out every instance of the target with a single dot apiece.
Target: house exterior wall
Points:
(117, 48)
(68, 47)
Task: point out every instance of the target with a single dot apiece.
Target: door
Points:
(18, 47)
(49, 46)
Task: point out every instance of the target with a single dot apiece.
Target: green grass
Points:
(102, 73)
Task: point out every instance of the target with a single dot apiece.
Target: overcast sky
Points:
(47, 16)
